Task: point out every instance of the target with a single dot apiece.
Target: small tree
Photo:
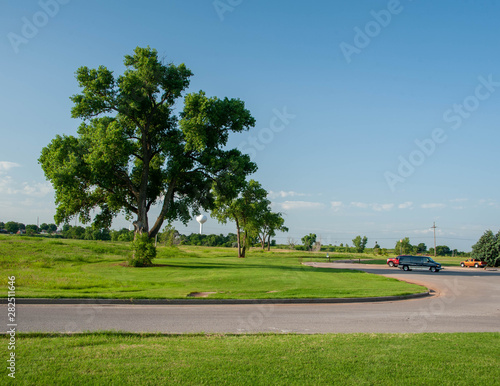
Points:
(31, 229)
(94, 232)
(421, 248)
(73, 232)
(404, 247)
(308, 241)
(269, 224)
(245, 211)
(443, 250)
(360, 243)
(122, 235)
(169, 236)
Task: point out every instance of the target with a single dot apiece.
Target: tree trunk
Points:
(238, 237)
(269, 242)
(244, 245)
(167, 202)
(141, 224)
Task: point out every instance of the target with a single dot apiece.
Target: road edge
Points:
(70, 301)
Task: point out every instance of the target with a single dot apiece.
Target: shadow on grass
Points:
(213, 265)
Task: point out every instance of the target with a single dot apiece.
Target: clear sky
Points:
(373, 117)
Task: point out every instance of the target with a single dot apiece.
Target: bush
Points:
(122, 235)
(144, 251)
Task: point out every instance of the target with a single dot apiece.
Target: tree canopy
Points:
(488, 248)
(308, 241)
(246, 211)
(360, 243)
(132, 152)
(268, 224)
(404, 246)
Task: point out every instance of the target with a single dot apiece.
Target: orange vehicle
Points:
(476, 263)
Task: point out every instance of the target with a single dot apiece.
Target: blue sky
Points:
(373, 117)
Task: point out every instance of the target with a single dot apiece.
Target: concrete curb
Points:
(186, 302)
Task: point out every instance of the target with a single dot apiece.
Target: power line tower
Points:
(434, 228)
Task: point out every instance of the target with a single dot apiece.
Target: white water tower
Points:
(202, 219)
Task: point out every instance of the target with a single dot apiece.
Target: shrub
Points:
(144, 251)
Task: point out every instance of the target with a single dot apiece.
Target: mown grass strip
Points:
(263, 359)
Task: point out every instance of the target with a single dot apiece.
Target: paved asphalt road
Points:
(463, 300)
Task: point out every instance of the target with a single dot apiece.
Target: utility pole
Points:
(434, 227)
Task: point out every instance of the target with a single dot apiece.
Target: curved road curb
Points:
(143, 302)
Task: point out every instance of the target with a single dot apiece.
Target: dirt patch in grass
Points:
(200, 294)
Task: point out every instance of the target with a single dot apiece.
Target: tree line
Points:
(359, 243)
(169, 236)
(30, 229)
(404, 247)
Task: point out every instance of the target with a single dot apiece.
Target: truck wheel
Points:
(462, 265)
(406, 268)
(391, 264)
(433, 269)
(476, 265)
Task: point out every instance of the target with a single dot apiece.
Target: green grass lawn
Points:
(331, 359)
(449, 261)
(58, 268)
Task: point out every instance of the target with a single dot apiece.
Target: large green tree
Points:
(488, 248)
(132, 152)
